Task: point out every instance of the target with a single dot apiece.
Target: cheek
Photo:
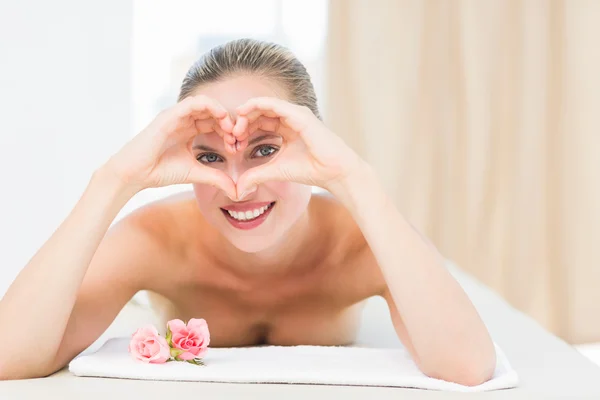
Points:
(206, 196)
(294, 196)
(283, 190)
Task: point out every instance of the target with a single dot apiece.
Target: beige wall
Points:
(483, 121)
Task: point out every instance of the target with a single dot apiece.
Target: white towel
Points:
(330, 365)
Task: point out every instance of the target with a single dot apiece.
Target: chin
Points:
(251, 227)
(256, 225)
(250, 244)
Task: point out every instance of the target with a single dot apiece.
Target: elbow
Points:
(475, 375)
(464, 370)
(8, 373)
(5, 374)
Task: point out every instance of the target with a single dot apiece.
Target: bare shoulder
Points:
(158, 232)
(158, 215)
(334, 220)
(347, 247)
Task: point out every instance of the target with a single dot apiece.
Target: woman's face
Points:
(263, 217)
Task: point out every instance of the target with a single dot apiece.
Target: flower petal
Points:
(197, 324)
(176, 325)
(202, 352)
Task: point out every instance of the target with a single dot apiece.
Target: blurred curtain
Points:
(482, 119)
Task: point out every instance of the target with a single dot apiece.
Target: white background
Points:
(78, 79)
(65, 106)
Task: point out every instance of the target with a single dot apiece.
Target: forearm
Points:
(442, 323)
(40, 300)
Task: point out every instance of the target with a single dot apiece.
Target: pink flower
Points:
(147, 346)
(188, 341)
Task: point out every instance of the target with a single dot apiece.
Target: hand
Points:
(311, 154)
(161, 154)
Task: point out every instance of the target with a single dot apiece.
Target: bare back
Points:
(316, 301)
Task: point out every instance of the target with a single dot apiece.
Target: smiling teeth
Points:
(248, 215)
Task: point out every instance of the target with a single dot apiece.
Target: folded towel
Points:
(331, 365)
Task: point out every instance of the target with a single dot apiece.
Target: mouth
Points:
(246, 217)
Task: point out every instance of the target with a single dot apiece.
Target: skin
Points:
(261, 285)
(301, 277)
(305, 298)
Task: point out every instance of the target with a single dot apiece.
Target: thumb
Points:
(213, 177)
(248, 182)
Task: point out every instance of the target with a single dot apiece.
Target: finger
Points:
(207, 114)
(259, 107)
(267, 104)
(201, 106)
(242, 137)
(227, 137)
(216, 126)
(249, 180)
(293, 115)
(241, 146)
(265, 124)
(213, 177)
(226, 123)
(241, 125)
(173, 119)
(230, 148)
(205, 126)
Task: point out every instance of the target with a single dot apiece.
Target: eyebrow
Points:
(203, 147)
(251, 142)
(261, 138)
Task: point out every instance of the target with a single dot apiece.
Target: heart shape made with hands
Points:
(237, 141)
(310, 153)
(295, 160)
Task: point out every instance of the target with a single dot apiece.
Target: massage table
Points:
(547, 366)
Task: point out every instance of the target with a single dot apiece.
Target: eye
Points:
(264, 151)
(209, 158)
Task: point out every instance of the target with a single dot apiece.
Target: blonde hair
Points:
(254, 57)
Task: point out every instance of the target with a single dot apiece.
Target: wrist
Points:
(359, 188)
(106, 179)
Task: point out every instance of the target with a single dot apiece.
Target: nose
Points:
(236, 167)
(234, 171)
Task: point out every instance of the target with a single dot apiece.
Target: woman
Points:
(251, 250)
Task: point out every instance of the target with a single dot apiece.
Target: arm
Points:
(39, 302)
(432, 315)
(74, 286)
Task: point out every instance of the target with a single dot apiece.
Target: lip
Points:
(246, 206)
(245, 225)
